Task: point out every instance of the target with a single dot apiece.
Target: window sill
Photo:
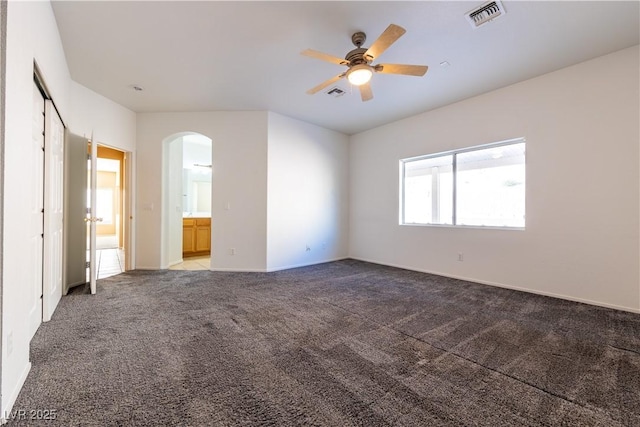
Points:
(474, 227)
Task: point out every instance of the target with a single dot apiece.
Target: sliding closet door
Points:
(53, 211)
(34, 177)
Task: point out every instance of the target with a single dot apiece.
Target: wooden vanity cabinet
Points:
(196, 237)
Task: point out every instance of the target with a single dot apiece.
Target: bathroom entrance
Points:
(188, 175)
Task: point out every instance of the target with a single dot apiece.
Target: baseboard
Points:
(11, 399)
(502, 285)
(73, 285)
(280, 268)
(240, 270)
(171, 264)
(142, 267)
(288, 267)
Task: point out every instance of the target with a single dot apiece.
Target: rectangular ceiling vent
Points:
(485, 13)
(335, 91)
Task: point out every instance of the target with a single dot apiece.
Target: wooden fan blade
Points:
(407, 70)
(386, 39)
(326, 83)
(324, 57)
(365, 92)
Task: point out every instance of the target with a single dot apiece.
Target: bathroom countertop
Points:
(196, 214)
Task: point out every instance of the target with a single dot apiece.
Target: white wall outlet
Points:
(9, 343)
(460, 256)
(232, 251)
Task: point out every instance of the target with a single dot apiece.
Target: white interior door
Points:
(93, 185)
(127, 212)
(53, 211)
(34, 177)
(75, 212)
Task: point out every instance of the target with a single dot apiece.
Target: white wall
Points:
(32, 35)
(307, 194)
(111, 124)
(239, 152)
(582, 217)
(172, 164)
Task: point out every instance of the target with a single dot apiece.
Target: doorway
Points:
(187, 191)
(81, 263)
(110, 208)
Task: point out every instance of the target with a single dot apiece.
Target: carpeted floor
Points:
(338, 344)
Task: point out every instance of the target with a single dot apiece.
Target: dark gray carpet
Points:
(338, 344)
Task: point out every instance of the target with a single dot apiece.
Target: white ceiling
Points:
(240, 55)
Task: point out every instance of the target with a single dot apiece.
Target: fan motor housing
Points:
(356, 56)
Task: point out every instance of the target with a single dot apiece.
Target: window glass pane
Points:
(104, 205)
(428, 191)
(490, 188)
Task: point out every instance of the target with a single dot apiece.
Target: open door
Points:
(92, 219)
(86, 258)
(75, 226)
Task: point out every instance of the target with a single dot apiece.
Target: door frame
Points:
(127, 223)
(105, 152)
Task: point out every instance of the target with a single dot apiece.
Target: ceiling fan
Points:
(359, 62)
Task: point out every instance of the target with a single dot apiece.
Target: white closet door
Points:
(34, 174)
(53, 211)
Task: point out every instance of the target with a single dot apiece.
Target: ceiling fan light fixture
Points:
(359, 74)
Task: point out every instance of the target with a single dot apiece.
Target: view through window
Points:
(479, 186)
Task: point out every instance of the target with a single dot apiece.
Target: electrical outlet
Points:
(232, 251)
(9, 343)
(460, 256)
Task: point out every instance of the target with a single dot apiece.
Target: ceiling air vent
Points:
(335, 92)
(485, 13)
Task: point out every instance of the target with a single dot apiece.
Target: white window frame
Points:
(453, 153)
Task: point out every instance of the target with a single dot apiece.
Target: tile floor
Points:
(110, 259)
(110, 262)
(193, 263)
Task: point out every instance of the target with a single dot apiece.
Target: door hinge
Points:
(88, 156)
(87, 264)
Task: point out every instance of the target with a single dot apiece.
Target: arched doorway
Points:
(186, 211)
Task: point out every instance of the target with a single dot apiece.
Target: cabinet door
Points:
(188, 239)
(203, 238)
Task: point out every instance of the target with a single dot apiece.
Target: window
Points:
(479, 186)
